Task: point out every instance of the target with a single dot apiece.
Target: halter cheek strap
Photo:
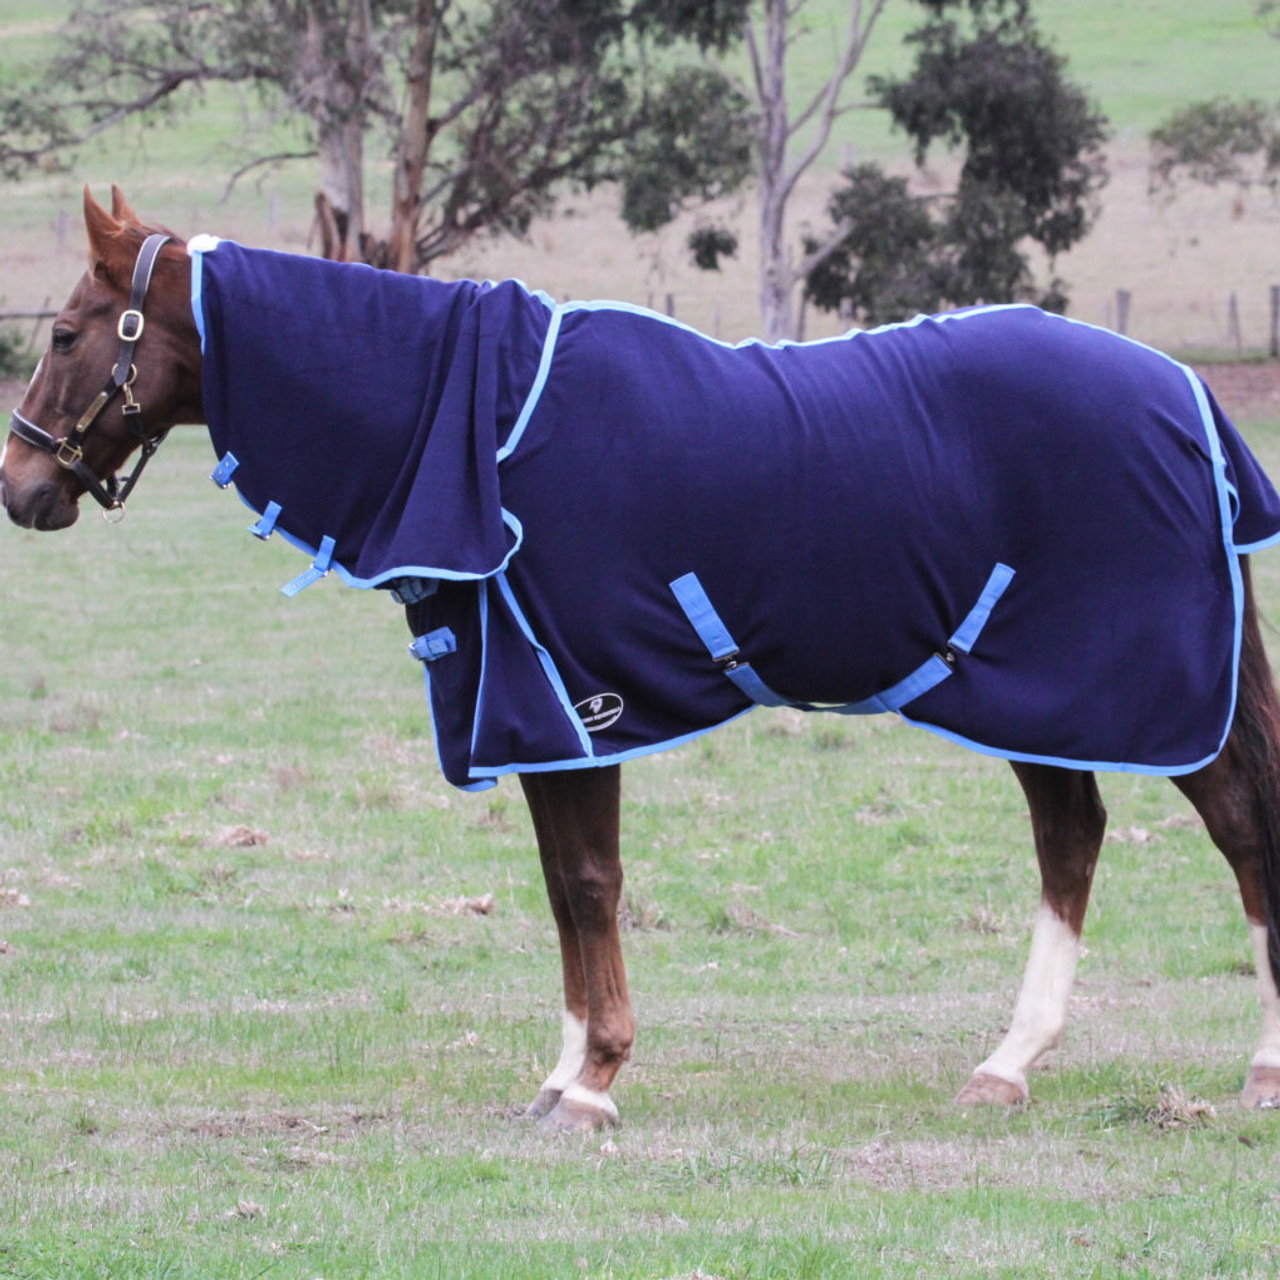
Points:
(68, 450)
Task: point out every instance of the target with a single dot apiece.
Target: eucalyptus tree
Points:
(488, 109)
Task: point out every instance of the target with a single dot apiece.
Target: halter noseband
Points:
(68, 450)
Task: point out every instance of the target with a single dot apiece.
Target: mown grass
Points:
(249, 1026)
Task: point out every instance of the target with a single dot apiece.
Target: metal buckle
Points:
(68, 455)
(131, 314)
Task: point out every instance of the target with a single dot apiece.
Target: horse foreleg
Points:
(1067, 819)
(576, 819)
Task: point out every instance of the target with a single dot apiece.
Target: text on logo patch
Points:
(599, 712)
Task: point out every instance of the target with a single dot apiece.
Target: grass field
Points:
(253, 1024)
(1140, 60)
(271, 995)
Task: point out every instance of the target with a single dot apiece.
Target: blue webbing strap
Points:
(971, 628)
(720, 644)
(266, 522)
(435, 644)
(319, 567)
(222, 472)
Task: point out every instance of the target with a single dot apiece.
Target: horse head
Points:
(122, 367)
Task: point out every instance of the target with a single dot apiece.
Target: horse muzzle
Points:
(44, 506)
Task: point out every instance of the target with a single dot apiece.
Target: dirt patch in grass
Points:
(1248, 391)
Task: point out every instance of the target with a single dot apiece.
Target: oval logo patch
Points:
(599, 712)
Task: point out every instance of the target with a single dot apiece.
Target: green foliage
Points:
(1031, 171)
(1218, 140)
(694, 144)
(524, 99)
(708, 244)
(16, 358)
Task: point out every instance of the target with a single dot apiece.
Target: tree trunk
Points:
(334, 92)
(416, 135)
(777, 281)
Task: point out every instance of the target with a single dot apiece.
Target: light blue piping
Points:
(481, 785)
(535, 391)
(349, 579)
(599, 762)
(197, 292)
(548, 665)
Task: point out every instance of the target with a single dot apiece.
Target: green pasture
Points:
(272, 995)
(252, 1022)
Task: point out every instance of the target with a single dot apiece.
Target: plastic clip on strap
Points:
(266, 522)
(932, 672)
(319, 567)
(222, 472)
(435, 644)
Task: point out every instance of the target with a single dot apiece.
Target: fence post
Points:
(1275, 321)
(1123, 298)
(1233, 324)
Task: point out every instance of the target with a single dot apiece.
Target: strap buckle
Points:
(68, 455)
(130, 325)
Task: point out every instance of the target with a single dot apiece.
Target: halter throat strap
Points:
(68, 451)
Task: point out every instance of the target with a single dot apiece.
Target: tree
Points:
(1031, 172)
(788, 144)
(489, 108)
(1217, 140)
(1220, 139)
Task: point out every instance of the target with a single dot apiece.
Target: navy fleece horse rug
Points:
(1016, 530)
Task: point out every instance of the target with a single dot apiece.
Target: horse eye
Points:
(63, 339)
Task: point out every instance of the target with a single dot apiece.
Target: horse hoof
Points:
(579, 1115)
(544, 1104)
(1262, 1088)
(986, 1090)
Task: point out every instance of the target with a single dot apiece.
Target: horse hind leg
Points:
(1067, 820)
(1238, 796)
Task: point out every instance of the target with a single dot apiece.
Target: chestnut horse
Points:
(131, 315)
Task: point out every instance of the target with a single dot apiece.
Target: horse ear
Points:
(120, 208)
(104, 234)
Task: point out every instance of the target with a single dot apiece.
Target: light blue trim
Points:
(266, 522)
(535, 391)
(197, 294)
(600, 761)
(1248, 548)
(1064, 762)
(486, 784)
(349, 579)
(548, 664)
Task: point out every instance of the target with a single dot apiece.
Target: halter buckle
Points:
(134, 318)
(68, 455)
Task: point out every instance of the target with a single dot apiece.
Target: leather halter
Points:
(68, 450)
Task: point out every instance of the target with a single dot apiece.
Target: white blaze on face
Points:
(1041, 1011)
